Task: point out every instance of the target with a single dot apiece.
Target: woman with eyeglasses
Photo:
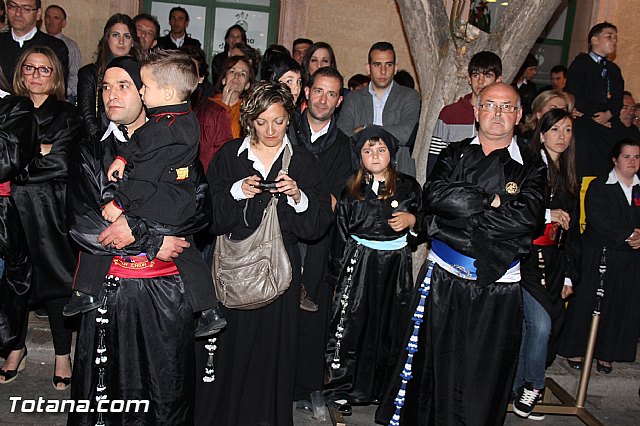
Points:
(39, 191)
(119, 38)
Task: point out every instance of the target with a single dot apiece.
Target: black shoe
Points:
(527, 398)
(603, 368)
(10, 375)
(304, 406)
(80, 303)
(41, 313)
(56, 380)
(210, 322)
(576, 365)
(342, 406)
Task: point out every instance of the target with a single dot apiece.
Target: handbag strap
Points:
(286, 160)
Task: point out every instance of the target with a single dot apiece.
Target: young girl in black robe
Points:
(372, 266)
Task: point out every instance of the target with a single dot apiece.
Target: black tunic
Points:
(469, 340)
(594, 141)
(333, 151)
(40, 194)
(149, 338)
(610, 221)
(377, 294)
(162, 154)
(255, 362)
(17, 147)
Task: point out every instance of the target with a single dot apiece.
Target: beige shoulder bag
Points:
(252, 273)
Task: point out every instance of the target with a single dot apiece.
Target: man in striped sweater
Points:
(456, 121)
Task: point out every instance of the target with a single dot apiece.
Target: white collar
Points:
(316, 135)
(21, 39)
(613, 179)
(514, 150)
(3, 94)
(386, 91)
(179, 38)
(246, 144)
(544, 157)
(117, 133)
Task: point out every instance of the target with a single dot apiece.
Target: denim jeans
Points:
(536, 329)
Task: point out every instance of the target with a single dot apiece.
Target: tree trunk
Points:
(441, 59)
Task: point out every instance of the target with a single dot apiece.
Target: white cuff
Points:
(567, 281)
(547, 216)
(302, 205)
(236, 191)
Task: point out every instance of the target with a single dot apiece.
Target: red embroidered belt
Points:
(549, 236)
(5, 189)
(141, 267)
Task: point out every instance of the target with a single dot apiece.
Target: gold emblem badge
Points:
(511, 188)
(183, 173)
(395, 204)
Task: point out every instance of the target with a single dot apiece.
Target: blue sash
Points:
(396, 244)
(458, 261)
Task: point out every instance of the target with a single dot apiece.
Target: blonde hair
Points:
(541, 101)
(264, 94)
(57, 88)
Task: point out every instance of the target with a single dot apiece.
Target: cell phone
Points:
(267, 185)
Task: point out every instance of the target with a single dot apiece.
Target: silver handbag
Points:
(254, 272)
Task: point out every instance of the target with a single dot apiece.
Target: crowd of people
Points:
(122, 178)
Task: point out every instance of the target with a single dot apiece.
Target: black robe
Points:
(150, 334)
(333, 151)
(370, 331)
(469, 340)
(255, 362)
(595, 94)
(17, 147)
(40, 194)
(610, 221)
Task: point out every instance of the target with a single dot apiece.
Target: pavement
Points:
(613, 399)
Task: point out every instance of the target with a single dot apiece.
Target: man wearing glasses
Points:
(23, 15)
(483, 202)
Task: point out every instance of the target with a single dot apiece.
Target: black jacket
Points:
(11, 51)
(168, 44)
(458, 195)
(90, 101)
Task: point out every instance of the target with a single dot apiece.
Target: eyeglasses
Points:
(42, 70)
(504, 109)
(23, 8)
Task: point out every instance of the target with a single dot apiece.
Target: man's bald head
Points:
(497, 112)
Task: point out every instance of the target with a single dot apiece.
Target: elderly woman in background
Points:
(119, 38)
(255, 362)
(232, 87)
(40, 192)
(612, 234)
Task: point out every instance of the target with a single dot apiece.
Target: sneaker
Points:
(80, 303)
(527, 399)
(211, 321)
(41, 313)
(536, 416)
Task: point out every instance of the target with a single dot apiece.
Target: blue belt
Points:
(458, 261)
(396, 244)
